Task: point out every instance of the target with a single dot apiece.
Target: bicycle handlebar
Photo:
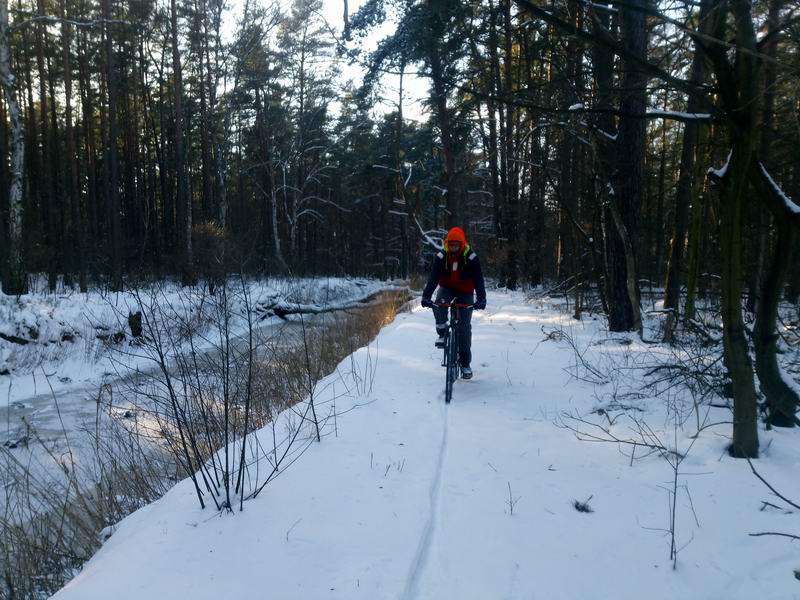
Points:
(453, 304)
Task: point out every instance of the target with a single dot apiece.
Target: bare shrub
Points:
(218, 377)
(632, 378)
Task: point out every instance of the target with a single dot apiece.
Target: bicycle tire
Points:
(448, 384)
(454, 364)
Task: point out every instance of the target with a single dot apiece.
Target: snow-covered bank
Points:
(406, 498)
(63, 340)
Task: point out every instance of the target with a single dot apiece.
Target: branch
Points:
(428, 239)
(308, 211)
(34, 18)
(329, 202)
(603, 38)
(789, 535)
(772, 489)
(779, 204)
(790, 21)
(704, 40)
(514, 100)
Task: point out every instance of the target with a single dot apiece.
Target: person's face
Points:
(454, 246)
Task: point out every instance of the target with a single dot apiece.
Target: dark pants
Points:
(464, 321)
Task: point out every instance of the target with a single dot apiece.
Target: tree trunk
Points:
(59, 209)
(113, 166)
(739, 93)
(737, 356)
(184, 198)
(89, 144)
(510, 164)
(683, 198)
(631, 284)
(5, 177)
(534, 229)
(492, 155)
(73, 187)
(398, 156)
(781, 398)
(439, 90)
(793, 289)
(696, 229)
(48, 188)
(761, 219)
(205, 145)
(15, 278)
(569, 176)
(613, 294)
(658, 229)
(625, 201)
(685, 190)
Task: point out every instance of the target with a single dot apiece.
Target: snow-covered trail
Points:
(411, 500)
(422, 558)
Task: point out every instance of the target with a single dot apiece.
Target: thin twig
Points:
(789, 535)
(772, 489)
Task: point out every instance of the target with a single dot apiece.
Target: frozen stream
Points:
(64, 411)
(49, 423)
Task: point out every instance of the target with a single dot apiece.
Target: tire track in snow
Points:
(422, 556)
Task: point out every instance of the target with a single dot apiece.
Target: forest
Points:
(604, 149)
(212, 210)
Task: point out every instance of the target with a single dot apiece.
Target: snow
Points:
(788, 380)
(600, 6)
(684, 116)
(408, 498)
(610, 136)
(578, 106)
(720, 173)
(790, 204)
(426, 235)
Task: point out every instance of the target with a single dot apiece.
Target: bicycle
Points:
(450, 354)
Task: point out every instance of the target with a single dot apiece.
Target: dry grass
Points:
(52, 516)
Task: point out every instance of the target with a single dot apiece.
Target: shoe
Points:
(466, 373)
(440, 341)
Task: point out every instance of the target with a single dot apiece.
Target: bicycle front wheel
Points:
(452, 365)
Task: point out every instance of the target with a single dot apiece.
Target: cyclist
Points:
(457, 271)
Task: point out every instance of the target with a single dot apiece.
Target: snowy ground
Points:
(408, 498)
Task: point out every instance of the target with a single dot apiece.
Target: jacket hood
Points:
(456, 234)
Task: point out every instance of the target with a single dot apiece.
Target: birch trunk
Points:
(15, 279)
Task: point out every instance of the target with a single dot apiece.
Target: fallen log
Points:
(14, 339)
(283, 309)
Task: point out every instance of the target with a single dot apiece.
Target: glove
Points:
(427, 303)
(480, 304)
